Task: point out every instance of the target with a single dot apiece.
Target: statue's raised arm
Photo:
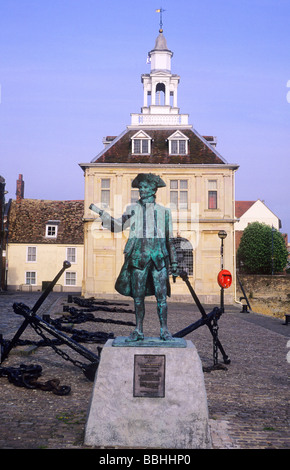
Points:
(115, 225)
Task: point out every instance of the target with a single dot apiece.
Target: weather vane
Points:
(160, 10)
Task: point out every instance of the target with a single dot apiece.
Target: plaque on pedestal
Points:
(146, 398)
(149, 375)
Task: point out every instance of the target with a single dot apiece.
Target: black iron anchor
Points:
(209, 320)
(35, 321)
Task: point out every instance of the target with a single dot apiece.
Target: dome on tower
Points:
(160, 43)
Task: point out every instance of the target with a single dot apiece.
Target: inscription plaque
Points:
(149, 376)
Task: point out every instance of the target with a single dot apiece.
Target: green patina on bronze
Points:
(149, 253)
(149, 342)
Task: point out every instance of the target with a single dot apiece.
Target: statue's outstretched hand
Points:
(96, 209)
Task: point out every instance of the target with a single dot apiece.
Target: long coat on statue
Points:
(150, 240)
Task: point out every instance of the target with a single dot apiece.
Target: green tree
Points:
(261, 246)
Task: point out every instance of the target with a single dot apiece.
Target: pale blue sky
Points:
(70, 74)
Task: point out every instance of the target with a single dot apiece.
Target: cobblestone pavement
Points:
(248, 402)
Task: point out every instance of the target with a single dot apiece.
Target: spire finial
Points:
(160, 10)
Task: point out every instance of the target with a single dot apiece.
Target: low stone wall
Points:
(267, 294)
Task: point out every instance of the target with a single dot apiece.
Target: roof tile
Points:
(242, 207)
(28, 219)
(200, 152)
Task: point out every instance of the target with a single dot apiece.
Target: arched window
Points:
(184, 253)
(160, 94)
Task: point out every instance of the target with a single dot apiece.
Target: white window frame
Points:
(50, 227)
(141, 152)
(69, 257)
(105, 190)
(134, 194)
(67, 275)
(26, 278)
(142, 136)
(178, 137)
(212, 187)
(29, 255)
(179, 189)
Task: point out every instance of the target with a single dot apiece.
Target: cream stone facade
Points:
(26, 275)
(103, 255)
(41, 236)
(199, 190)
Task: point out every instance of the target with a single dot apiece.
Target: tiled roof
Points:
(28, 219)
(200, 151)
(242, 207)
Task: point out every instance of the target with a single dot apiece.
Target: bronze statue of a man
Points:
(149, 252)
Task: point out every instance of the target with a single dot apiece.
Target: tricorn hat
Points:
(149, 178)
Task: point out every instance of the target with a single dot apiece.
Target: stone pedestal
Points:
(175, 418)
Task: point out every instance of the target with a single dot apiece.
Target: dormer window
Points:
(178, 144)
(178, 147)
(141, 143)
(51, 229)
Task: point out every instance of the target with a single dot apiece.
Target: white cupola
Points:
(160, 90)
(160, 86)
(160, 56)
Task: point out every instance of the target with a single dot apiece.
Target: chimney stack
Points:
(19, 189)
